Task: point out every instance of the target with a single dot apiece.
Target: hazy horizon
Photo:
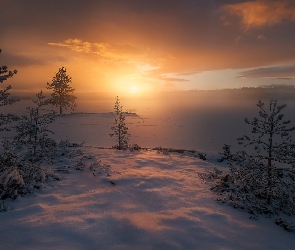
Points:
(190, 120)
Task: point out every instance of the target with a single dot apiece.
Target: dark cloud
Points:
(19, 60)
(280, 72)
(74, 19)
(169, 26)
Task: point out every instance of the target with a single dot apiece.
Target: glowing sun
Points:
(133, 89)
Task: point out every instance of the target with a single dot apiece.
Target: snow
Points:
(157, 202)
(138, 199)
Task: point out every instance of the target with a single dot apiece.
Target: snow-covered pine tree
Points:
(10, 179)
(61, 96)
(6, 119)
(118, 107)
(121, 132)
(32, 130)
(5, 98)
(120, 129)
(4, 94)
(5, 155)
(262, 179)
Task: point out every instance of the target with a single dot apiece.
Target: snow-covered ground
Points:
(156, 201)
(140, 200)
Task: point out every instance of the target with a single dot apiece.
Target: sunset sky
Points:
(139, 46)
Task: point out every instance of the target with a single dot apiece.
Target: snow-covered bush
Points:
(18, 175)
(287, 225)
(68, 149)
(134, 147)
(10, 177)
(11, 180)
(8, 156)
(161, 150)
(261, 179)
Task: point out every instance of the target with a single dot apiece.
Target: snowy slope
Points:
(156, 201)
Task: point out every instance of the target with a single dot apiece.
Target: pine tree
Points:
(4, 94)
(32, 129)
(262, 178)
(5, 97)
(61, 96)
(118, 107)
(8, 159)
(121, 131)
(272, 143)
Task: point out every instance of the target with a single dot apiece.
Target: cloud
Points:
(261, 37)
(17, 60)
(107, 51)
(174, 36)
(123, 59)
(259, 13)
(278, 72)
(188, 73)
(172, 79)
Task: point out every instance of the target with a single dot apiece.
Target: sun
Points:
(134, 89)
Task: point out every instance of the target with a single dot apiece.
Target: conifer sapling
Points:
(32, 129)
(262, 178)
(118, 107)
(120, 129)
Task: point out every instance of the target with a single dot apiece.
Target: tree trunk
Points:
(119, 139)
(269, 166)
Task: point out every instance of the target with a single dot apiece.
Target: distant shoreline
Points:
(279, 92)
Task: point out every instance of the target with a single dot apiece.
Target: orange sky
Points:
(125, 46)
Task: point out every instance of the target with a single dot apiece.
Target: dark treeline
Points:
(268, 92)
(279, 92)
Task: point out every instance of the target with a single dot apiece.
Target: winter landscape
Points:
(147, 125)
(90, 196)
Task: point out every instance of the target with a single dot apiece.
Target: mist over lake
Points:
(196, 120)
